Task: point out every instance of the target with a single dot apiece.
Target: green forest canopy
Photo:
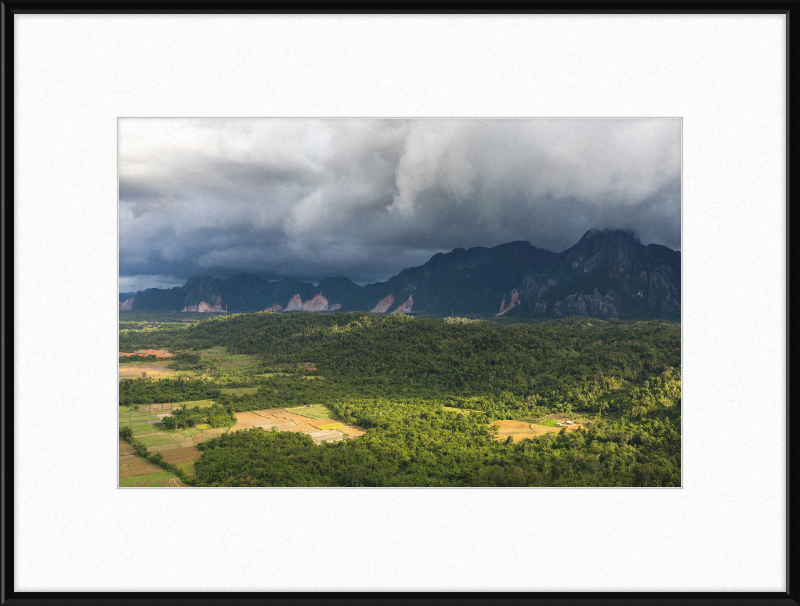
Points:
(393, 375)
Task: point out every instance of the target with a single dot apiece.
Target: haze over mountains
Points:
(608, 273)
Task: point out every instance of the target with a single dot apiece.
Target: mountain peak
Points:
(610, 234)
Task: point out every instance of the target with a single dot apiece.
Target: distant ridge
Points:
(608, 273)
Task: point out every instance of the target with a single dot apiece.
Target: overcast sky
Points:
(366, 198)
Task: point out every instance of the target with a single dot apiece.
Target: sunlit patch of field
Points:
(182, 455)
(521, 430)
(132, 465)
(181, 440)
(131, 421)
(192, 404)
(143, 429)
(133, 481)
(543, 429)
(327, 435)
(261, 418)
(187, 466)
(158, 409)
(328, 425)
(352, 430)
(154, 370)
(463, 410)
(320, 429)
(317, 411)
(159, 439)
(159, 353)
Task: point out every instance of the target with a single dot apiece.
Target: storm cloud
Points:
(365, 198)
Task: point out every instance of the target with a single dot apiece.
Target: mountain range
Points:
(608, 273)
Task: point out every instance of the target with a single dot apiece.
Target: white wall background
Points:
(724, 75)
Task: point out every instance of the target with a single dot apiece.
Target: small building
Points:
(569, 423)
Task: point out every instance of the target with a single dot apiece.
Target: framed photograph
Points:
(473, 306)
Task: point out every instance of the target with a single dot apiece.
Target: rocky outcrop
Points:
(513, 299)
(383, 306)
(593, 304)
(662, 296)
(205, 307)
(405, 307)
(126, 305)
(316, 304)
(535, 286)
(294, 304)
(275, 307)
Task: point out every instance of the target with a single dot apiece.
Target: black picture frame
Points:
(9, 596)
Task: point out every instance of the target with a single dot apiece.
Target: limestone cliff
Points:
(126, 305)
(405, 307)
(593, 304)
(205, 307)
(513, 297)
(318, 303)
(383, 306)
(294, 304)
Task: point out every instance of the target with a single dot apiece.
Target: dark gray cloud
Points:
(366, 198)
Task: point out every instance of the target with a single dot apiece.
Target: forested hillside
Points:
(426, 390)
